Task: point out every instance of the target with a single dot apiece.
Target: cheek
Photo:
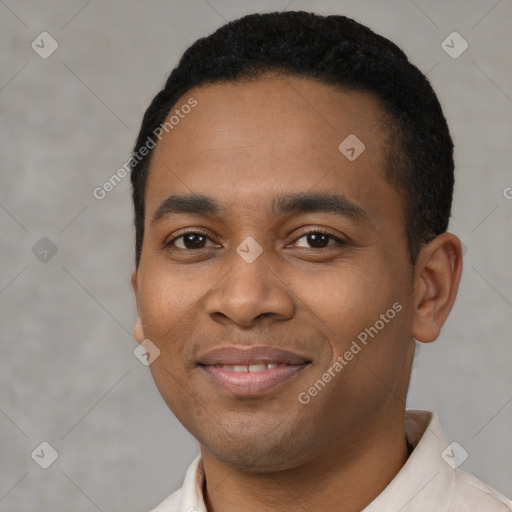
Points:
(165, 320)
(163, 300)
(167, 311)
(348, 299)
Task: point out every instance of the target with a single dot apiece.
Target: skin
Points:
(244, 144)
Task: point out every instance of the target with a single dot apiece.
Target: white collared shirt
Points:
(428, 481)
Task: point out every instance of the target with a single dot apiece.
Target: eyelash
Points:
(338, 240)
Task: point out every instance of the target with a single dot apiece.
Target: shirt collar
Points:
(191, 496)
(424, 479)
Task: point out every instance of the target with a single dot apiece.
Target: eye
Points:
(314, 239)
(319, 239)
(190, 240)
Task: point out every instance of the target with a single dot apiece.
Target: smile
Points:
(250, 371)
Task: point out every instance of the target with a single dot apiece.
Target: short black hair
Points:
(334, 50)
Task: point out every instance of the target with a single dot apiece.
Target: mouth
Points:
(250, 371)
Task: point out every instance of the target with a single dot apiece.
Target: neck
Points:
(341, 480)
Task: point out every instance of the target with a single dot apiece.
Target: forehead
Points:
(246, 142)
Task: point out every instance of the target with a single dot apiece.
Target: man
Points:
(291, 246)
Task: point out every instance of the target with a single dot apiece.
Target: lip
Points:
(285, 365)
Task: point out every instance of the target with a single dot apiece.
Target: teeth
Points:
(253, 368)
(257, 367)
(235, 368)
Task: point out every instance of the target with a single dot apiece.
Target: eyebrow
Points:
(306, 202)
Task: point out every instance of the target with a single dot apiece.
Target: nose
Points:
(249, 293)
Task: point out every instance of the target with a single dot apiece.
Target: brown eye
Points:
(319, 240)
(191, 240)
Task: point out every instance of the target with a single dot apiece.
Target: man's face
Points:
(245, 147)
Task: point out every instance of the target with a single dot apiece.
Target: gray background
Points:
(67, 370)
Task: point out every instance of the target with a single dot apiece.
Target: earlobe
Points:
(437, 277)
(138, 331)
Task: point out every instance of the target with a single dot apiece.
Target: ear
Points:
(138, 331)
(436, 281)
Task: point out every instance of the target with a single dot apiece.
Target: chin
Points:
(255, 451)
(260, 461)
